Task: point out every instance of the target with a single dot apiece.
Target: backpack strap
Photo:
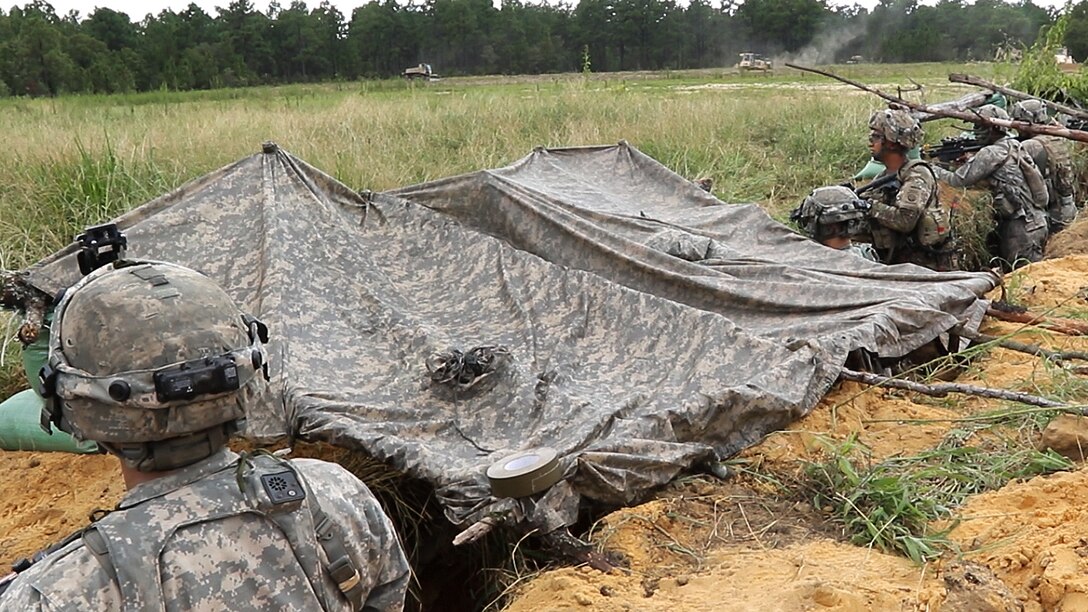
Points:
(142, 591)
(340, 566)
(95, 544)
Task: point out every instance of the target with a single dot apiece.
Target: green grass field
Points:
(71, 162)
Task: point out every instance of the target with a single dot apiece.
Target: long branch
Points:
(967, 102)
(1068, 327)
(943, 389)
(967, 79)
(1030, 349)
(970, 117)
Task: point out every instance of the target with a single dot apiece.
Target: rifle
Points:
(1075, 123)
(25, 563)
(888, 182)
(952, 148)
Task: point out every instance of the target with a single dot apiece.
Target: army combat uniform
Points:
(863, 250)
(909, 225)
(1020, 196)
(1054, 159)
(193, 540)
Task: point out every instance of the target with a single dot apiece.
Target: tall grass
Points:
(70, 162)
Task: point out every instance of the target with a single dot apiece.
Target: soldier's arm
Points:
(369, 536)
(979, 167)
(903, 215)
(1034, 148)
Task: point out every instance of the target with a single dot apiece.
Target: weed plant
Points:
(891, 504)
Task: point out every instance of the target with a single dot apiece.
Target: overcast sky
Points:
(137, 9)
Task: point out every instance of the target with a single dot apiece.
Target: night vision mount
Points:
(100, 245)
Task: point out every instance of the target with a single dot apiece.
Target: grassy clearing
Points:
(71, 162)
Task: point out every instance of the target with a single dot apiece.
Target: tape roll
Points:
(524, 473)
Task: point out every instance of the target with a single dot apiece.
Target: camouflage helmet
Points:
(830, 212)
(153, 361)
(1032, 111)
(897, 126)
(989, 111)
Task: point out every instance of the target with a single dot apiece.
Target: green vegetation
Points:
(46, 54)
(73, 161)
(1037, 73)
(891, 504)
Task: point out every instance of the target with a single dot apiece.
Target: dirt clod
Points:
(975, 587)
(1068, 436)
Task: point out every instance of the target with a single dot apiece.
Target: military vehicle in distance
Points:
(753, 62)
(421, 71)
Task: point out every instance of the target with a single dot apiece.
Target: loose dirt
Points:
(1073, 241)
(708, 544)
(50, 495)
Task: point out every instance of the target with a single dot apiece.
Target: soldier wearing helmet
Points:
(832, 216)
(1018, 189)
(908, 224)
(157, 364)
(1054, 159)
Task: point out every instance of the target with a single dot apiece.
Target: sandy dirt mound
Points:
(1034, 536)
(1072, 241)
(50, 495)
(800, 577)
(714, 546)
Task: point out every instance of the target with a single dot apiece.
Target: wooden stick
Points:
(943, 389)
(16, 293)
(970, 117)
(570, 547)
(1031, 349)
(1068, 327)
(971, 100)
(476, 531)
(1012, 93)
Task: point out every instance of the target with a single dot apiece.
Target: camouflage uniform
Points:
(1054, 158)
(241, 561)
(1021, 220)
(896, 218)
(155, 363)
(906, 220)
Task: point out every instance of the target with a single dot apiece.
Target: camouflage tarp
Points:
(618, 213)
(629, 387)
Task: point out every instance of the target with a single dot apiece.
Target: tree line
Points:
(42, 53)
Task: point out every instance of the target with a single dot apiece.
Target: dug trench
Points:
(778, 533)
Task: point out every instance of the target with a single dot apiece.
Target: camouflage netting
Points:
(616, 212)
(631, 384)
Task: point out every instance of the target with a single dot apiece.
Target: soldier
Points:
(908, 223)
(1054, 158)
(156, 364)
(1018, 190)
(832, 216)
